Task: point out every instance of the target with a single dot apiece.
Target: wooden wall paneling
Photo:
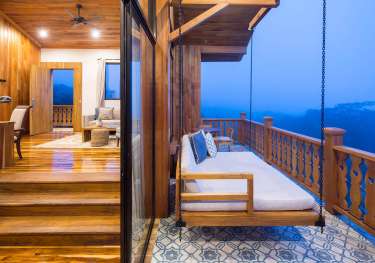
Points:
(77, 87)
(192, 89)
(147, 120)
(162, 129)
(17, 54)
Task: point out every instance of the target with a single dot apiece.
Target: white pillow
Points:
(211, 146)
(187, 156)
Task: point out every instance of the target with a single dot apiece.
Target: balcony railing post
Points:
(267, 144)
(241, 128)
(333, 137)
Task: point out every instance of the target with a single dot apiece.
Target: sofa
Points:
(93, 120)
(273, 191)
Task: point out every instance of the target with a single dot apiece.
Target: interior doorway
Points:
(63, 89)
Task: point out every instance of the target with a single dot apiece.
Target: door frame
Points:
(130, 9)
(77, 88)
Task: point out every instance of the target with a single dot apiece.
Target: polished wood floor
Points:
(54, 200)
(63, 160)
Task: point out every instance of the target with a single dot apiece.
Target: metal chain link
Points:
(251, 88)
(180, 222)
(322, 110)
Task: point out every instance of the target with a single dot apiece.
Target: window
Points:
(112, 81)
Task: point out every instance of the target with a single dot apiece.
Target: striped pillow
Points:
(211, 146)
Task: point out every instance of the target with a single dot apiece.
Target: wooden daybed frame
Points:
(234, 218)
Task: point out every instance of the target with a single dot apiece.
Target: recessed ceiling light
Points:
(43, 33)
(95, 33)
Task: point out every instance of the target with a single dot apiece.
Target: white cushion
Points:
(187, 156)
(272, 189)
(105, 113)
(211, 146)
(17, 117)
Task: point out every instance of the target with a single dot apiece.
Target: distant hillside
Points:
(62, 94)
(357, 119)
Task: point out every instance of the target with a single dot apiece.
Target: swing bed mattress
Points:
(273, 191)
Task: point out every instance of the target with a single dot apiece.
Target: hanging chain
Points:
(251, 88)
(180, 223)
(322, 113)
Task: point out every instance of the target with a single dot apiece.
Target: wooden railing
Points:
(62, 115)
(349, 174)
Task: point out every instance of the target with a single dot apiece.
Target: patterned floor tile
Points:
(338, 243)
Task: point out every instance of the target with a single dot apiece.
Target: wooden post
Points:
(241, 128)
(333, 137)
(267, 144)
(162, 66)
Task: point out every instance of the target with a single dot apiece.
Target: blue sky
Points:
(287, 58)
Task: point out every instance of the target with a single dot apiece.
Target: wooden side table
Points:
(6, 144)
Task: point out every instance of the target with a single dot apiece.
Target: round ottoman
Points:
(99, 137)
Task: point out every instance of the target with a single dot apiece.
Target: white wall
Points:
(88, 58)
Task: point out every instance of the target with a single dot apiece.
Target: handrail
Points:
(356, 152)
(297, 135)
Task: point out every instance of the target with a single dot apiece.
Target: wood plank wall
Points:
(192, 89)
(17, 54)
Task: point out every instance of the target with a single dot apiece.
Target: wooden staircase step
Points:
(60, 203)
(60, 177)
(65, 254)
(49, 181)
(59, 230)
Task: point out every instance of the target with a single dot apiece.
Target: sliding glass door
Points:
(137, 180)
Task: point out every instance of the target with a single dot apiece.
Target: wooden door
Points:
(41, 112)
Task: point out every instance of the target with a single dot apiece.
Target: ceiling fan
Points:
(80, 20)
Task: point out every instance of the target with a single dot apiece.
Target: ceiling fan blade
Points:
(69, 13)
(95, 19)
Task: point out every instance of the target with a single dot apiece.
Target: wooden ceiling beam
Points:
(197, 21)
(265, 3)
(258, 17)
(223, 50)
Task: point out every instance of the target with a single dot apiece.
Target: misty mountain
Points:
(62, 94)
(357, 119)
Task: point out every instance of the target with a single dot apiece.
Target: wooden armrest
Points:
(248, 197)
(216, 176)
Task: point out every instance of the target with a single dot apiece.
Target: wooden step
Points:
(60, 203)
(52, 181)
(59, 230)
(65, 254)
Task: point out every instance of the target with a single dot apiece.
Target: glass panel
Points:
(112, 81)
(142, 136)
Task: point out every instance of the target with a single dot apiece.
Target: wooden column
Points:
(192, 89)
(268, 122)
(6, 144)
(162, 60)
(333, 137)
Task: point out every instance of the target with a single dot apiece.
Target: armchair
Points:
(18, 117)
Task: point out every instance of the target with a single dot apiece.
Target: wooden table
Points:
(86, 132)
(6, 144)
